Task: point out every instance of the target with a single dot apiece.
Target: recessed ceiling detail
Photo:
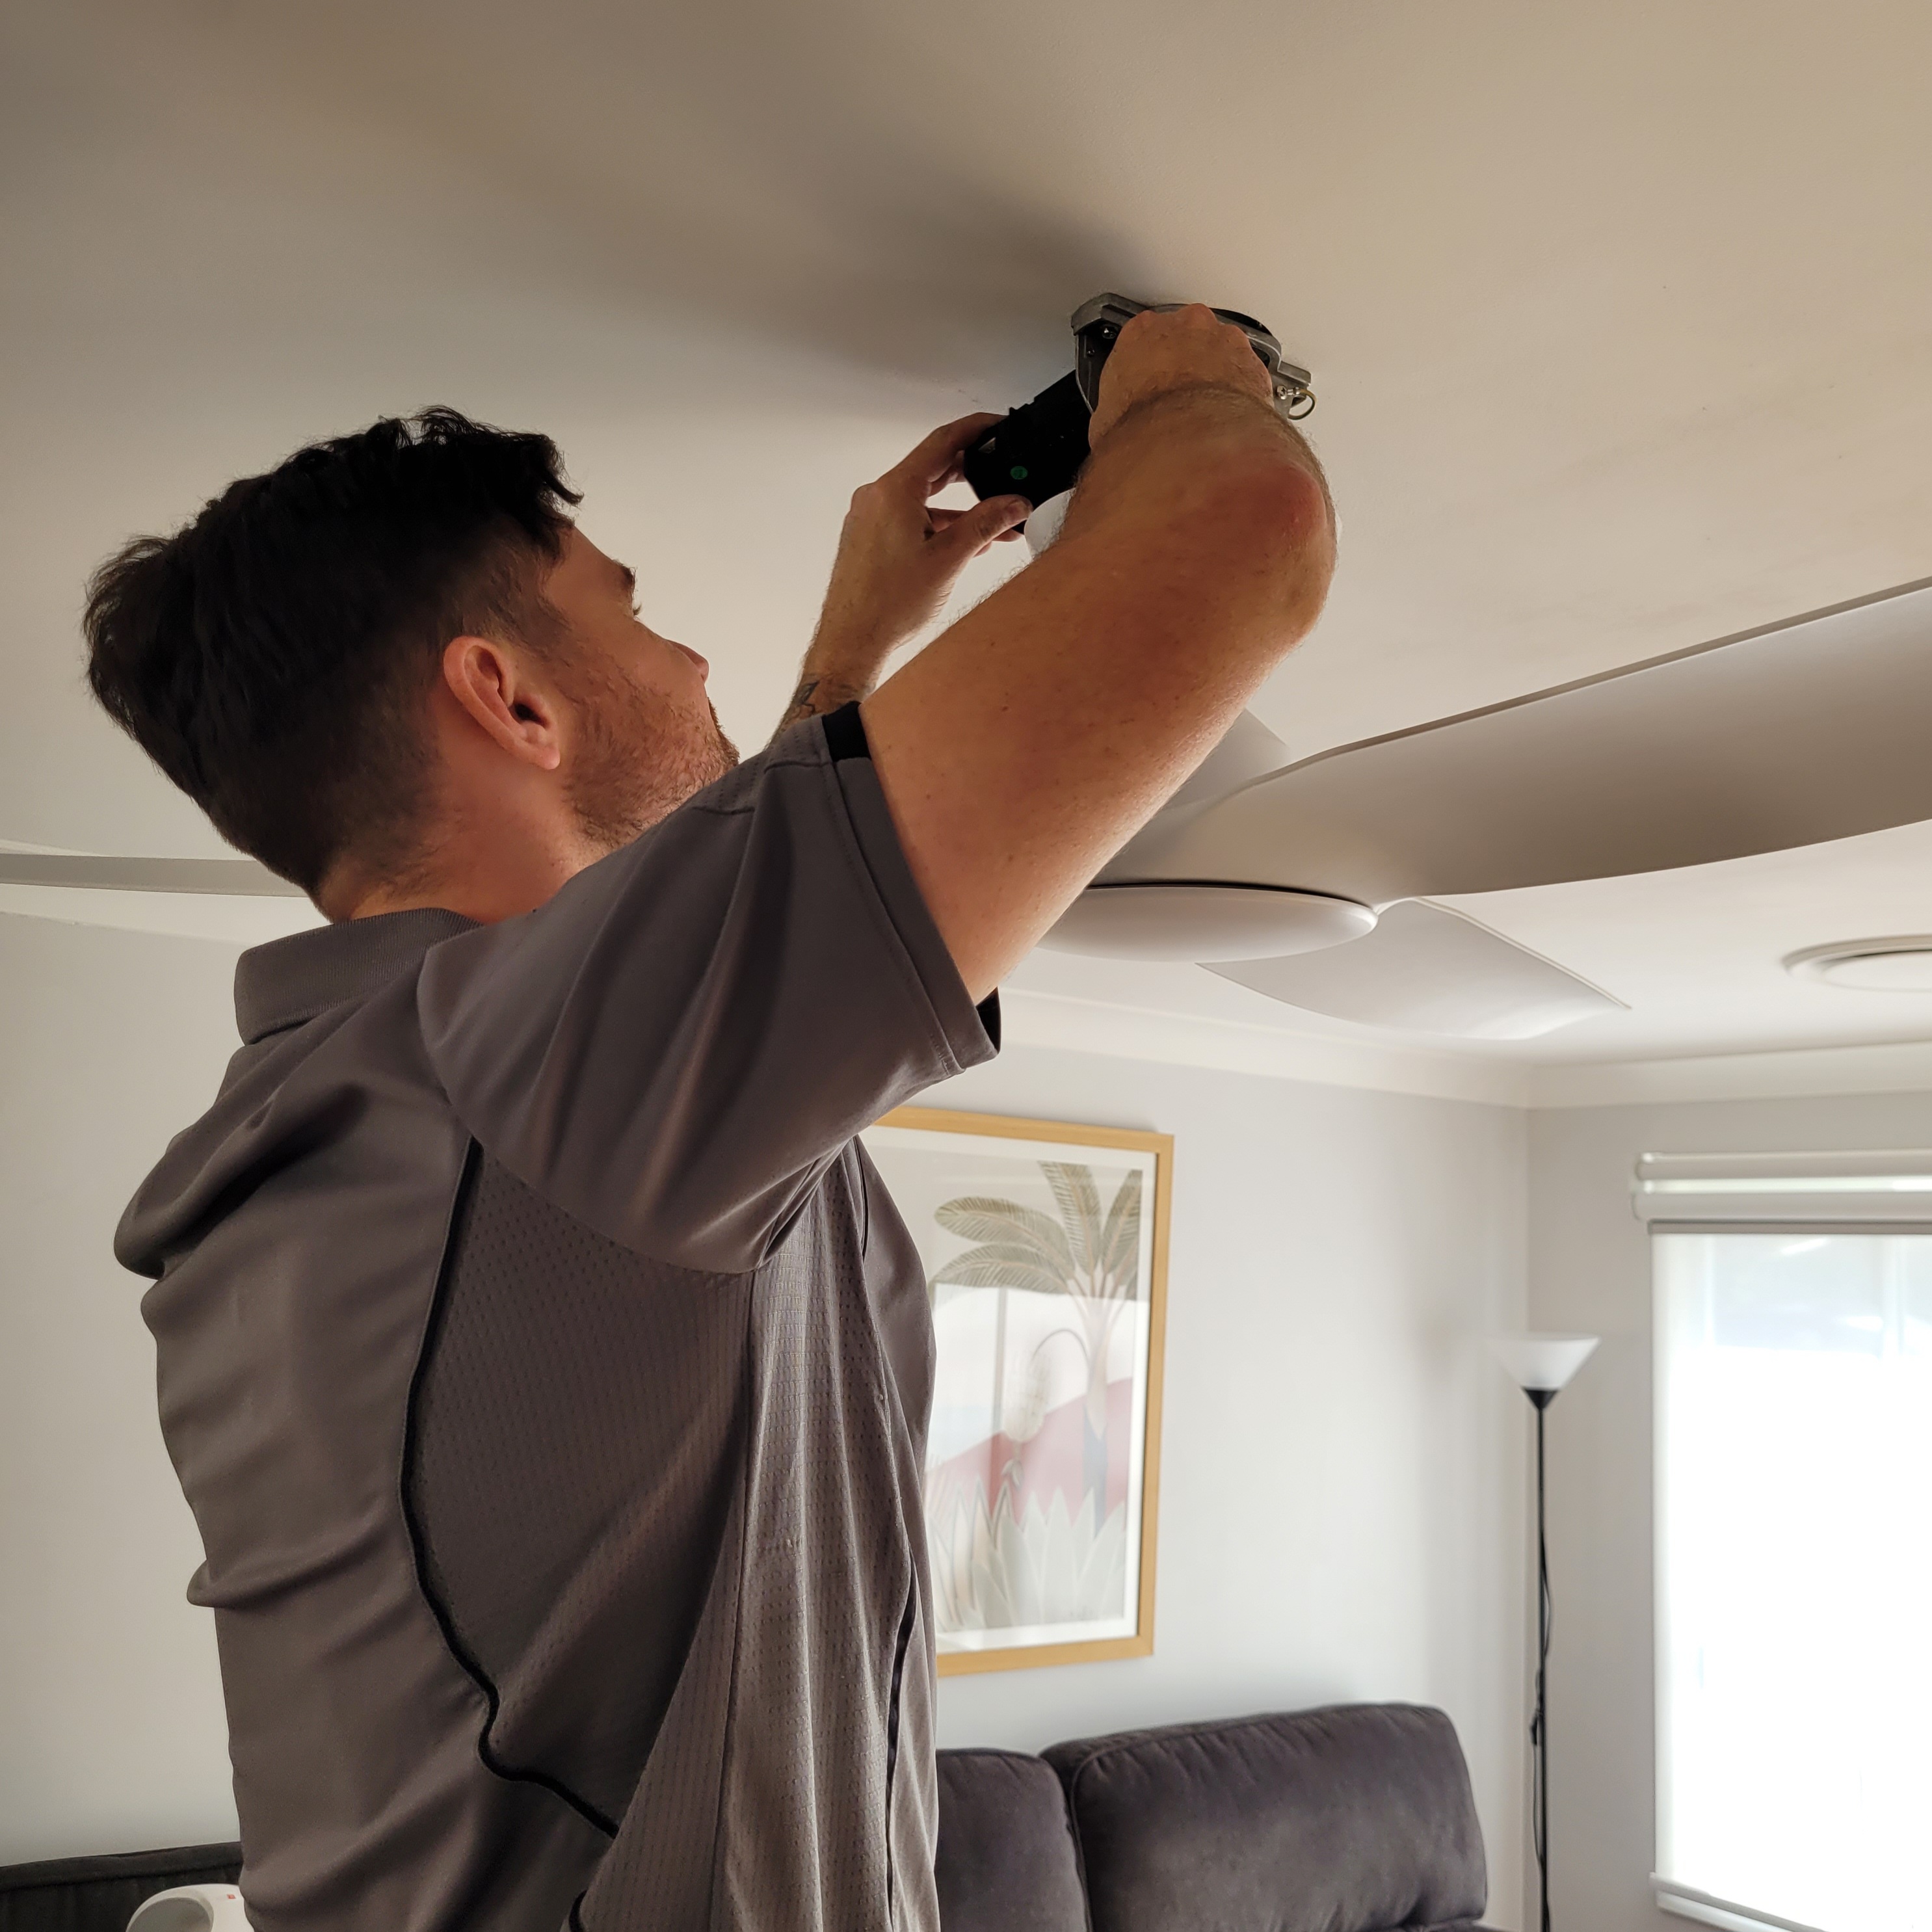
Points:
(1903, 965)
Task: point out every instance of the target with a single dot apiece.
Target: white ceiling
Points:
(1621, 319)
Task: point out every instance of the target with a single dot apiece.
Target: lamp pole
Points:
(1541, 1366)
(1539, 1722)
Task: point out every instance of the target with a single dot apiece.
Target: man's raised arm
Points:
(1023, 747)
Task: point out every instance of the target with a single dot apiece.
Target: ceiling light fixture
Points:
(1037, 451)
(1903, 965)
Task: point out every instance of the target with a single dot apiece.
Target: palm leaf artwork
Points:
(996, 1265)
(1090, 1255)
(1019, 1247)
(986, 1217)
(1120, 1238)
(1079, 1203)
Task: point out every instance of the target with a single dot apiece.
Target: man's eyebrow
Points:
(630, 577)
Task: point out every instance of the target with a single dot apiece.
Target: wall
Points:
(1344, 1471)
(1589, 1269)
(113, 1738)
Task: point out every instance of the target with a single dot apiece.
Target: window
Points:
(1794, 1545)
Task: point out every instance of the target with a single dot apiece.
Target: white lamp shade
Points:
(1543, 1363)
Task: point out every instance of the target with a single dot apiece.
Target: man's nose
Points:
(703, 663)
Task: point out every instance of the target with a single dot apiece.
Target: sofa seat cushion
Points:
(1005, 1860)
(1357, 1818)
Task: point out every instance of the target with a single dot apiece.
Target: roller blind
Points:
(1793, 1415)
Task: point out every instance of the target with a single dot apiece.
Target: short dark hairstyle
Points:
(273, 657)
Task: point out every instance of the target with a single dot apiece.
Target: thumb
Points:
(969, 533)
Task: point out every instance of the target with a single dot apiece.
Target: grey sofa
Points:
(1357, 1818)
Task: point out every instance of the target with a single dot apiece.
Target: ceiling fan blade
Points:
(1429, 970)
(234, 877)
(1248, 751)
(1813, 729)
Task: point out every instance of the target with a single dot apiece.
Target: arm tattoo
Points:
(815, 696)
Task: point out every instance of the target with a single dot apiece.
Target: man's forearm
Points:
(899, 555)
(1020, 749)
(826, 679)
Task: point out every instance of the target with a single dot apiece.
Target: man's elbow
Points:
(1271, 516)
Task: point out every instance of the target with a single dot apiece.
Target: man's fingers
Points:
(969, 532)
(935, 462)
(1161, 349)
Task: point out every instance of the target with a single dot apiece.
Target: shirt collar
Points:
(289, 981)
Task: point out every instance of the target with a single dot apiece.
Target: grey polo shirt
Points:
(548, 1372)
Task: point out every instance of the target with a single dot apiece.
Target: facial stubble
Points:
(641, 755)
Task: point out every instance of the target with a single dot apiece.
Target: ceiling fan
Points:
(1313, 881)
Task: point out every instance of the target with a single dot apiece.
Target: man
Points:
(547, 1368)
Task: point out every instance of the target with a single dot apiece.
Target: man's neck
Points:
(506, 884)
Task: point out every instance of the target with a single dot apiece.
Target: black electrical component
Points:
(1037, 451)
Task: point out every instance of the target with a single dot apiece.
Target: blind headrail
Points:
(1891, 1185)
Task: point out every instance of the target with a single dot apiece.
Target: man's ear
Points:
(501, 699)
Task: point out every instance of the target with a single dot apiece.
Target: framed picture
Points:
(1045, 1253)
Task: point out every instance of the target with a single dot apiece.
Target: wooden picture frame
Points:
(999, 1551)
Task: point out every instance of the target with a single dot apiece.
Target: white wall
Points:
(1343, 1481)
(1589, 1268)
(112, 1738)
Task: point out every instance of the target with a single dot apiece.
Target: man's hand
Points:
(1159, 351)
(898, 558)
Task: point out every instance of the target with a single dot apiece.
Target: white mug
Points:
(191, 1908)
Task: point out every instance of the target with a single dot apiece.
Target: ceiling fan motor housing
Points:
(1036, 452)
(1199, 920)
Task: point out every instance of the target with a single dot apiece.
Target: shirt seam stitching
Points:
(471, 1666)
(724, 1752)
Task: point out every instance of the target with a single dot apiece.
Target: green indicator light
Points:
(1018, 473)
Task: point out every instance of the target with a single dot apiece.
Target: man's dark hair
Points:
(274, 657)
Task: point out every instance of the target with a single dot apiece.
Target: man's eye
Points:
(636, 609)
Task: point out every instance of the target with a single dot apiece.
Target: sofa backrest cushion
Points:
(1005, 1860)
(1357, 1818)
(99, 1894)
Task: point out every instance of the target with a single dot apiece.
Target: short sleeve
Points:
(673, 1047)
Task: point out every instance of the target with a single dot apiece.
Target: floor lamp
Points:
(1541, 1366)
